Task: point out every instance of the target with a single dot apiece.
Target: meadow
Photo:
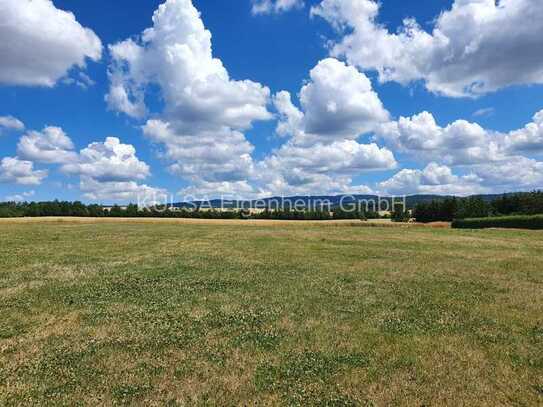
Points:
(268, 313)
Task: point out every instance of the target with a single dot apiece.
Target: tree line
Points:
(79, 209)
(447, 209)
(529, 203)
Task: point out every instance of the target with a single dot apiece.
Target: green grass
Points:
(301, 314)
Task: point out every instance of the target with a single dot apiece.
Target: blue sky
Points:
(485, 135)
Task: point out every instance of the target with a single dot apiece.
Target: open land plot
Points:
(219, 313)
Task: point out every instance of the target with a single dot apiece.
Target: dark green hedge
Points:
(534, 222)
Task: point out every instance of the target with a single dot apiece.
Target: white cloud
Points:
(529, 139)
(476, 47)
(484, 112)
(322, 154)
(109, 161)
(127, 79)
(110, 171)
(122, 191)
(176, 55)
(20, 197)
(82, 80)
(11, 123)
(497, 161)
(517, 173)
(275, 6)
(50, 146)
(16, 171)
(199, 131)
(338, 102)
(459, 143)
(513, 174)
(205, 111)
(41, 43)
(321, 168)
(204, 190)
(298, 182)
(291, 119)
(433, 179)
(340, 157)
(207, 156)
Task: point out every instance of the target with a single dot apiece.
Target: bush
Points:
(400, 216)
(511, 222)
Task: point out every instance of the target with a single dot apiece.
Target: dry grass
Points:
(223, 222)
(154, 312)
(170, 221)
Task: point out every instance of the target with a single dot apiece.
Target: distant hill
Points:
(313, 201)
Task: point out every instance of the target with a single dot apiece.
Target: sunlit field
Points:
(233, 313)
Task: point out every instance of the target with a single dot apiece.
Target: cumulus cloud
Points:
(496, 161)
(338, 102)
(50, 146)
(529, 139)
(205, 111)
(210, 156)
(110, 171)
(517, 173)
(433, 179)
(291, 119)
(41, 43)
(176, 55)
(322, 168)
(476, 47)
(199, 128)
(340, 157)
(458, 143)
(122, 191)
(275, 6)
(338, 105)
(16, 171)
(11, 123)
(513, 174)
(461, 142)
(109, 161)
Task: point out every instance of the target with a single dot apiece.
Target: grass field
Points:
(269, 314)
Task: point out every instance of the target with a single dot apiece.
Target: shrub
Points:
(400, 216)
(512, 222)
